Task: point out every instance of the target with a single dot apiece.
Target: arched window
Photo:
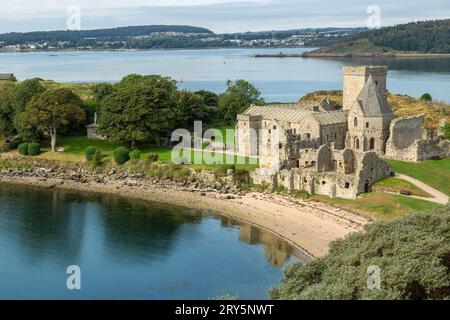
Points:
(356, 143)
(355, 122)
(372, 143)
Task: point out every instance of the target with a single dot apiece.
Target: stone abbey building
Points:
(335, 152)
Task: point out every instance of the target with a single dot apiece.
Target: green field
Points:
(396, 185)
(75, 147)
(382, 206)
(435, 173)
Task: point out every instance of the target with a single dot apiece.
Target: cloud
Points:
(217, 15)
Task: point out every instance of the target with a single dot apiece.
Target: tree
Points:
(426, 97)
(238, 97)
(189, 107)
(447, 130)
(211, 98)
(6, 109)
(22, 95)
(52, 111)
(139, 108)
(412, 252)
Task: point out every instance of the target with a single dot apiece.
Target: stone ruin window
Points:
(328, 137)
(356, 143)
(347, 185)
(323, 182)
(355, 122)
(306, 163)
(367, 125)
(313, 163)
(305, 181)
(372, 143)
(280, 146)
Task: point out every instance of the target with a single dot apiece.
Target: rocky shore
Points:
(308, 225)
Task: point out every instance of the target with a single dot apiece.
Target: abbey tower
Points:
(356, 77)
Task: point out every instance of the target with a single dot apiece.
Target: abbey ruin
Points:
(335, 151)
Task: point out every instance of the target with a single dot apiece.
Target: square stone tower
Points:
(356, 77)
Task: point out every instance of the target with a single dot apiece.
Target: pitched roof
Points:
(333, 117)
(286, 112)
(372, 102)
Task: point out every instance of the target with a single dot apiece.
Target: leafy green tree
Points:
(6, 109)
(426, 97)
(53, 111)
(211, 98)
(22, 95)
(238, 97)
(412, 252)
(140, 107)
(189, 107)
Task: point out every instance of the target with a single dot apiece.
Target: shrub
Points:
(135, 155)
(90, 152)
(121, 155)
(4, 147)
(97, 158)
(14, 144)
(34, 149)
(23, 149)
(222, 171)
(413, 253)
(426, 97)
(151, 157)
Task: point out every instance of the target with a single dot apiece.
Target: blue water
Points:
(129, 249)
(280, 80)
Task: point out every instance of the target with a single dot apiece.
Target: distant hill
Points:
(423, 37)
(73, 35)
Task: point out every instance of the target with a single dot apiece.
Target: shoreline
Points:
(309, 226)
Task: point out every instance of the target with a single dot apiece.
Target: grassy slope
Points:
(381, 205)
(401, 105)
(436, 173)
(397, 185)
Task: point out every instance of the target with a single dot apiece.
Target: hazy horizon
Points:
(219, 16)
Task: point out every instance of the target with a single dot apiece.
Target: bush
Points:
(412, 252)
(121, 155)
(23, 149)
(135, 155)
(90, 153)
(4, 147)
(34, 149)
(14, 144)
(151, 157)
(97, 158)
(426, 97)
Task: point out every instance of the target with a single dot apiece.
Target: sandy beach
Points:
(308, 225)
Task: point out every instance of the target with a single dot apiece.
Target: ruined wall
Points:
(370, 168)
(334, 134)
(247, 135)
(404, 131)
(406, 141)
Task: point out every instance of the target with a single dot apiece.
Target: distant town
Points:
(167, 37)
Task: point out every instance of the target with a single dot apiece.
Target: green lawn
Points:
(397, 185)
(382, 206)
(75, 147)
(435, 173)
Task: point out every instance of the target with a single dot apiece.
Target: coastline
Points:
(309, 226)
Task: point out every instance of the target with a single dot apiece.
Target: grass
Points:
(435, 173)
(381, 206)
(75, 147)
(397, 185)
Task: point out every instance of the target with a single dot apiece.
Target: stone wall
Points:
(406, 141)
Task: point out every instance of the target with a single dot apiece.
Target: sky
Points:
(220, 16)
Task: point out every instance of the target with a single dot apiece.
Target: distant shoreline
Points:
(153, 49)
(360, 56)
